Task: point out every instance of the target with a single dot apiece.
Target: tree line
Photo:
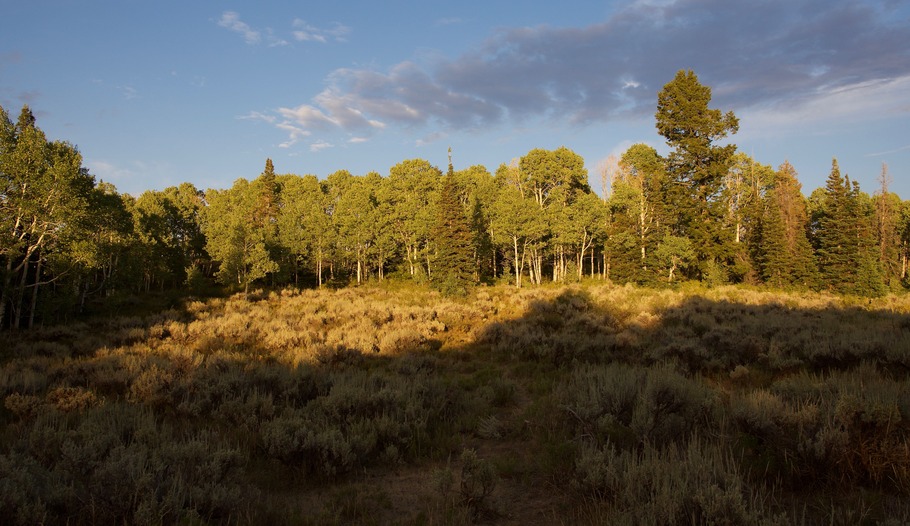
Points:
(703, 212)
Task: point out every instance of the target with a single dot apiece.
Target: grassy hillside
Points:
(584, 405)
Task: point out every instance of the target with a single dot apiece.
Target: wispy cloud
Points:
(430, 139)
(274, 40)
(301, 31)
(255, 115)
(295, 134)
(798, 58)
(320, 145)
(306, 32)
(108, 171)
(832, 105)
(29, 96)
(231, 20)
(128, 92)
(889, 152)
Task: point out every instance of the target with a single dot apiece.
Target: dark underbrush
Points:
(593, 404)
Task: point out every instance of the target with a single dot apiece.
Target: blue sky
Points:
(158, 93)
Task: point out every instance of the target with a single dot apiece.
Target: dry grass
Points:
(764, 406)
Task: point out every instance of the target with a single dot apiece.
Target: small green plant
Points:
(478, 480)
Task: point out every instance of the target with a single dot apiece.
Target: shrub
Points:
(631, 405)
(356, 422)
(693, 483)
(845, 428)
(478, 480)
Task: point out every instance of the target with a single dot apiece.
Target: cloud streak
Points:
(305, 32)
(302, 31)
(785, 56)
(231, 20)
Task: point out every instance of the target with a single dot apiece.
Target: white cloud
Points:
(108, 171)
(430, 139)
(258, 116)
(889, 152)
(841, 105)
(357, 140)
(804, 60)
(789, 61)
(295, 133)
(320, 145)
(307, 116)
(274, 40)
(231, 20)
(128, 92)
(305, 32)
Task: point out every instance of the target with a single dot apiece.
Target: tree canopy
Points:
(702, 212)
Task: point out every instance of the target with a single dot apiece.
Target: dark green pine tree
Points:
(845, 241)
(868, 279)
(786, 256)
(696, 168)
(834, 241)
(266, 212)
(454, 269)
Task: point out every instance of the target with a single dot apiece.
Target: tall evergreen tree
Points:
(844, 240)
(786, 257)
(834, 239)
(696, 167)
(454, 269)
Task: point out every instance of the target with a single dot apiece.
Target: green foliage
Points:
(69, 245)
(45, 197)
(786, 257)
(637, 209)
(412, 190)
(169, 234)
(542, 172)
(630, 406)
(234, 240)
(454, 262)
(697, 165)
(844, 238)
(675, 253)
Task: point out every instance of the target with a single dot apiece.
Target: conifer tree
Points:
(454, 269)
(786, 257)
(833, 236)
(844, 240)
(696, 168)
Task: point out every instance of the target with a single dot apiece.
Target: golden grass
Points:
(589, 383)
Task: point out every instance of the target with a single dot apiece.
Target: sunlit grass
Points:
(766, 404)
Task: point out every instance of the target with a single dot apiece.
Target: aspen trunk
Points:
(31, 314)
